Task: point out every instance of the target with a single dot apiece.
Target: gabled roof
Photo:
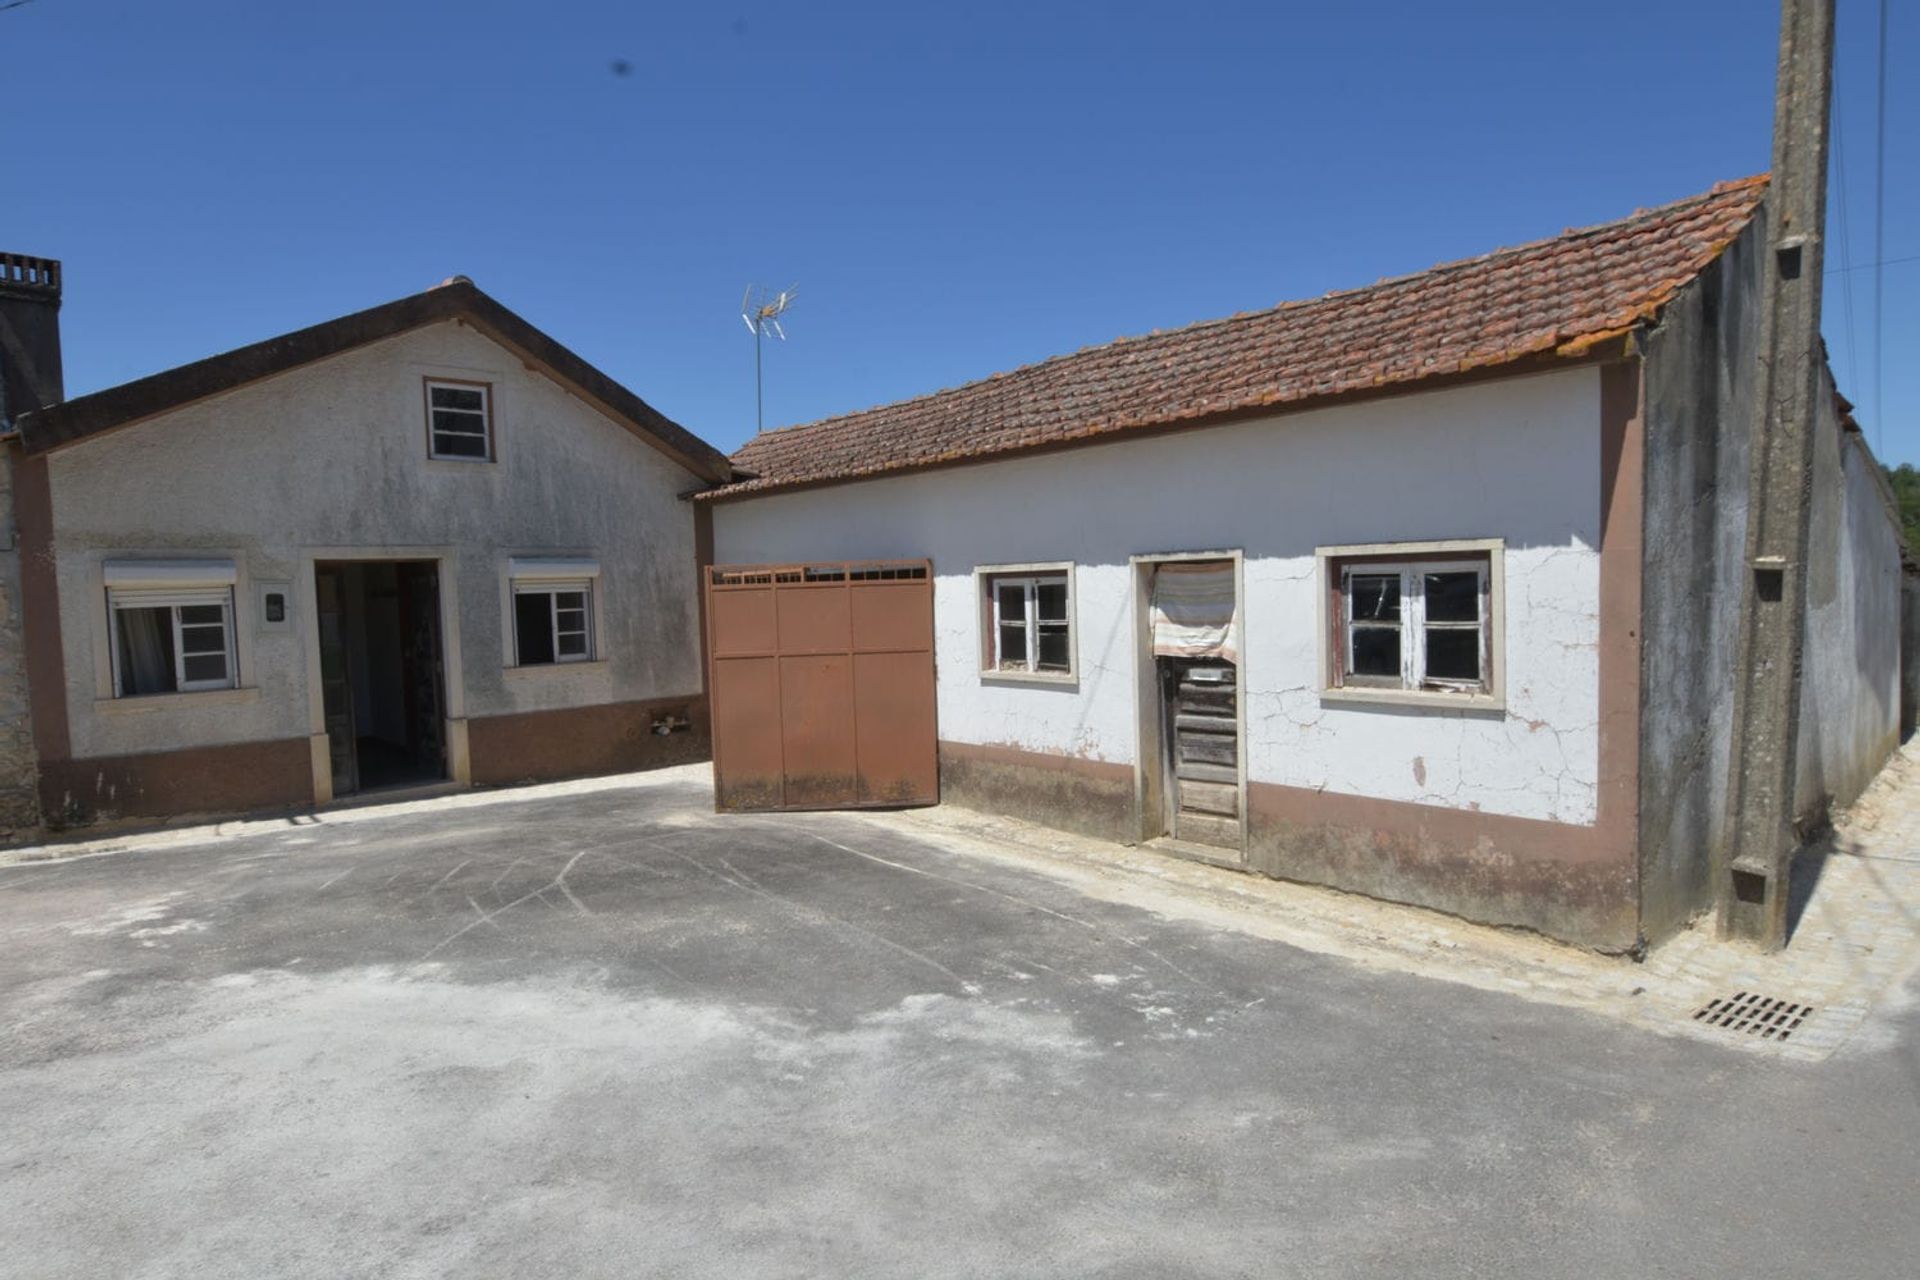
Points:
(1537, 303)
(58, 426)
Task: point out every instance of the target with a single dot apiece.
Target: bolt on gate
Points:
(822, 685)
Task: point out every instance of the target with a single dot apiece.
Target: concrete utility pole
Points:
(1753, 885)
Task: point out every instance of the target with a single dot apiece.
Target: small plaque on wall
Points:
(275, 609)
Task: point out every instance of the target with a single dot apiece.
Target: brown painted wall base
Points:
(1089, 797)
(579, 742)
(1568, 882)
(1564, 881)
(240, 778)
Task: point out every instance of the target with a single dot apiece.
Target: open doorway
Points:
(1192, 725)
(381, 672)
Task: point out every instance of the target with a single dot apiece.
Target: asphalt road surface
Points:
(611, 1034)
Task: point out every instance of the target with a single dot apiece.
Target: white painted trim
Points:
(544, 670)
(554, 567)
(190, 700)
(1432, 698)
(1440, 547)
(153, 575)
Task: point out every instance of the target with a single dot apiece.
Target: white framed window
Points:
(1414, 622)
(459, 420)
(170, 627)
(553, 611)
(1027, 621)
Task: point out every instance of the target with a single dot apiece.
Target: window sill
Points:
(176, 701)
(1029, 677)
(1436, 699)
(535, 671)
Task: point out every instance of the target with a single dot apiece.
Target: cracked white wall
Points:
(1517, 459)
(334, 455)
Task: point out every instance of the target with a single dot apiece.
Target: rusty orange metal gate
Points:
(822, 680)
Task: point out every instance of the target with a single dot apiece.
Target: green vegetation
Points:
(1906, 489)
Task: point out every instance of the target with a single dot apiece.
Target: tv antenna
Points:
(762, 311)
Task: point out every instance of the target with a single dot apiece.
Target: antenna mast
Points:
(762, 311)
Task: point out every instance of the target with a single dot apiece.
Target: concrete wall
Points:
(19, 798)
(1850, 689)
(1519, 459)
(1700, 390)
(1701, 385)
(330, 461)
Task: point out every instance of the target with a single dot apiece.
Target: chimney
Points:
(29, 335)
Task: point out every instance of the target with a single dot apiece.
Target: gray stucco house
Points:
(421, 543)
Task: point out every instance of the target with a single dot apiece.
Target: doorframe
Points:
(1150, 820)
(459, 764)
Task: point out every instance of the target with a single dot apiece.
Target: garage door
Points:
(822, 685)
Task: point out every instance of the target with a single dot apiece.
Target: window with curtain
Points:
(171, 641)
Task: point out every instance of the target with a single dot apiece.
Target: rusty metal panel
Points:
(743, 621)
(816, 730)
(814, 619)
(894, 728)
(892, 616)
(746, 741)
(823, 685)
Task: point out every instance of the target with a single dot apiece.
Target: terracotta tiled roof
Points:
(1560, 296)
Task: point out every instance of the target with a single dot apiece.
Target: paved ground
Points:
(595, 1030)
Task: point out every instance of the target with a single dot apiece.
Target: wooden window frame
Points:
(987, 581)
(1412, 561)
(489, 434)
(173, 601)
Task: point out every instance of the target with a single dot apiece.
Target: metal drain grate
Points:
(1755, 1014)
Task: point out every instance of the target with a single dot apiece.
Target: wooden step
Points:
(1189, 723)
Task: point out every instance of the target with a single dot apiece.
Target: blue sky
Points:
(956, 189)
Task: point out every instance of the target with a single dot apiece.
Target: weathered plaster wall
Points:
(1517, 459)
(19, 763)
(1700, 389)
(334, 456)
(1850, 684)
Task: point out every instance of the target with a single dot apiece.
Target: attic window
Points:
(459, 420)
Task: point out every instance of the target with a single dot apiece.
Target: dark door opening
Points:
(381, 672)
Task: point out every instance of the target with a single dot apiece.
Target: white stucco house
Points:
(423, 543)
(1425, 590)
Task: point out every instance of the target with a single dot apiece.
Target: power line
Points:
(1869, 266)
(1879, 233)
